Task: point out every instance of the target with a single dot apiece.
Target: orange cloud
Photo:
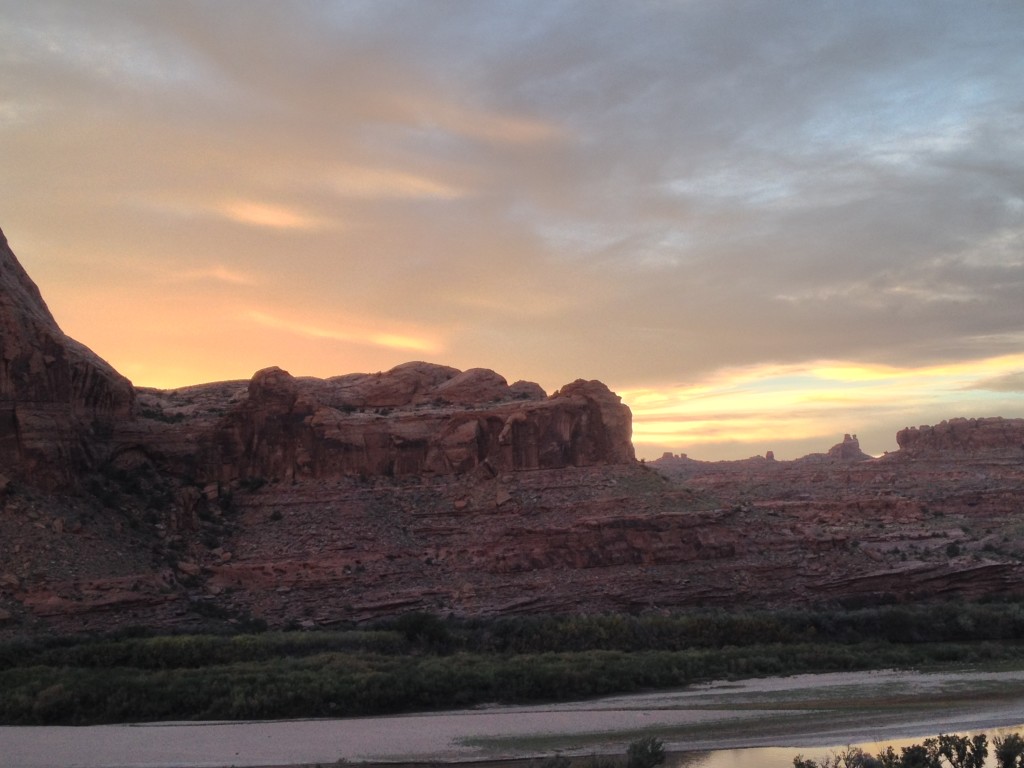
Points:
(356, 334)
(267, 215)
(219, 274)
(371, 183)
(758, 403)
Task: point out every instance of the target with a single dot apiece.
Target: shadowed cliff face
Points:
(992, 437)
(415, 419)
(64, 411)
(58, 401)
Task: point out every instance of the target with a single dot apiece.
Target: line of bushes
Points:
(998, 622)
(421, 661)
(359, 683)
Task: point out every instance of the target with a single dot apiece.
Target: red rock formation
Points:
(415, 419)
(307, 501)
(848, 450)
(58, 400)
(991, 436)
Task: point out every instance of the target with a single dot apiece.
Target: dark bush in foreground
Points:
(645, 753)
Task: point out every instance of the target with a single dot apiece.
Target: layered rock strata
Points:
(308, 502)
(415, 419)
(59, 402)
(991, 436)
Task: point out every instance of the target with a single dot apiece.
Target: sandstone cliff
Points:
(306, 502)
(58, 401)
(416, 419)
(991, 436)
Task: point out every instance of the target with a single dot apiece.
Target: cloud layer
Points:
(667, 196)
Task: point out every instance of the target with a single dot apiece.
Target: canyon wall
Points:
(990, 436)
(296, 501)
(416, 419)
(59, 402)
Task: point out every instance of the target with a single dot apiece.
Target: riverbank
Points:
(800, 713)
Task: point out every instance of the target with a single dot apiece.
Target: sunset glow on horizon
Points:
(803, 409)
(762, 227)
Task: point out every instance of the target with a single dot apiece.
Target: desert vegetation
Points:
(423, 662)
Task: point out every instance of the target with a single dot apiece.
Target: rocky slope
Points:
(58, 400)
(308, 502)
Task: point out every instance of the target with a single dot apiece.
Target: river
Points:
(763, 722)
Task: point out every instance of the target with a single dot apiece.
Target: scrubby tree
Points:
(1009, 751)
(851, 757)
(959, 751)
(945, 751)
(555, 761)
(916, 756)
(645, 753)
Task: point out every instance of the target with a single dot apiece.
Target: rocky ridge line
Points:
(308, 502)
(59, 401)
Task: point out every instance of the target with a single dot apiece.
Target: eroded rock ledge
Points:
(308, 502)
(415, 419)
(991, 436)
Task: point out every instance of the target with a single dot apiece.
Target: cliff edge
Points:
(58, 400)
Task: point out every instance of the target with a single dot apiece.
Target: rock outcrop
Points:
(416, 419)
(306, 502)
(989, 436)
(848, 450)
(59, 402)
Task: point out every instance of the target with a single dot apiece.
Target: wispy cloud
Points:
(1008, 382)
(370, 183)
(812, 219)
(486, 126)
(216, 273)
(269, 215)
(360, 333)
(797, 402)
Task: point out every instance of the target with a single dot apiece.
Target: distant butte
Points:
(307, 502)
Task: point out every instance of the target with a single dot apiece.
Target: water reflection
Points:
(757, 757)
(782, 757)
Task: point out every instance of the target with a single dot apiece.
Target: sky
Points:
(763, 224)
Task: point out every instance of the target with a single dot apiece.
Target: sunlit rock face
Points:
(58, 401)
